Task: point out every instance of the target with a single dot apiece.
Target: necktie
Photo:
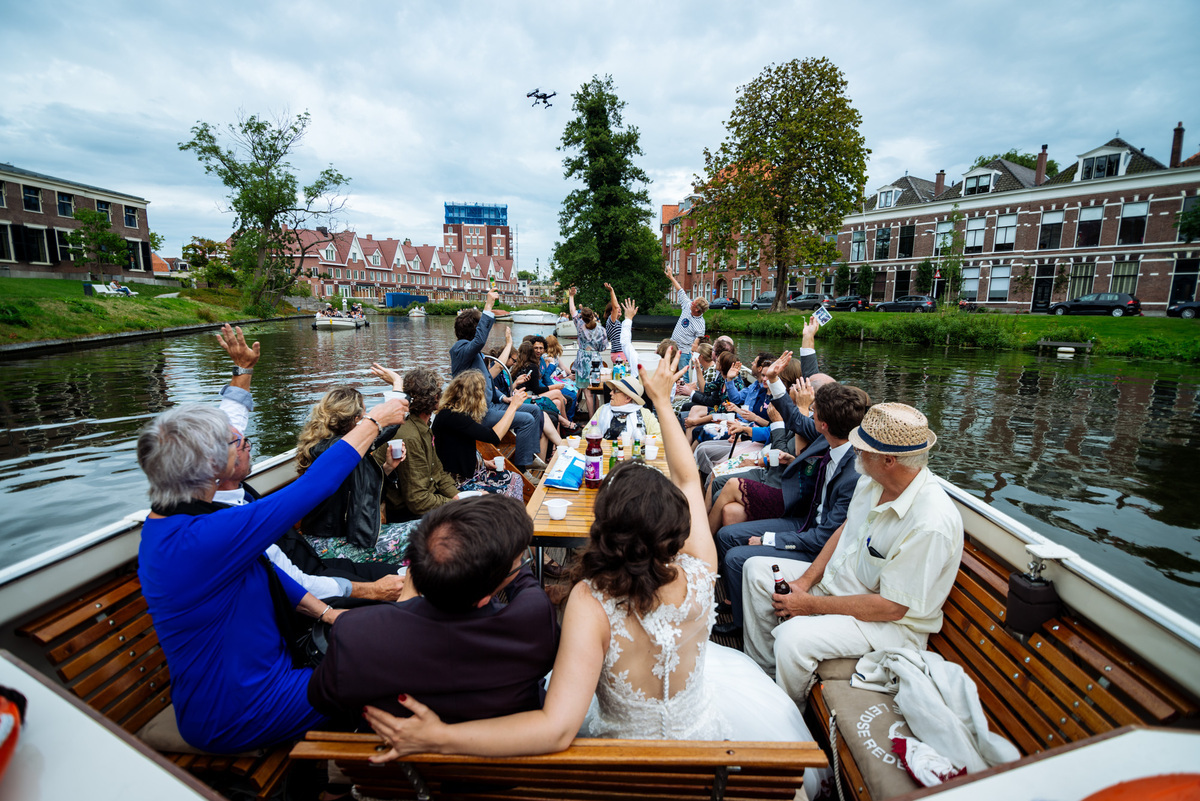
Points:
(817, 492)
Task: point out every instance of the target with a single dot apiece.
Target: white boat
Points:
(533, 317)
(335, 323)
(417, 311)
(565, 328)
(1156, 636)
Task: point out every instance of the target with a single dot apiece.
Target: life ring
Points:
(12, 713)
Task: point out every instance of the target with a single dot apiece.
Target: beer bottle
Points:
(614, 453)
(781, 586)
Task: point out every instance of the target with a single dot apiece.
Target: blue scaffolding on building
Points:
(476, 213)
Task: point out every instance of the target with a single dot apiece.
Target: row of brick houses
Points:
(348, 265)
(1105, 223)
(37, 212)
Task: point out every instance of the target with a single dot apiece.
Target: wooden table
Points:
(572, 531)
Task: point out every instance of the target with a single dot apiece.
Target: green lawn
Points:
(33, 309)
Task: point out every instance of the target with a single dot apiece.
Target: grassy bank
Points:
(33, 309)
(1146, 337)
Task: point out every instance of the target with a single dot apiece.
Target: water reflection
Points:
(1096, 453)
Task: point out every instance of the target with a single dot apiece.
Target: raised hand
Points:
(772, 370)
(571, 292)
(507, 335)
(233, 342)
(808, 335)
(661, 382)
(388, 376)
(608, 286)
(802, 393)
(629, 307)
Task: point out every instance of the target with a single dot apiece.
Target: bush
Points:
(206, 314)
(11, 314)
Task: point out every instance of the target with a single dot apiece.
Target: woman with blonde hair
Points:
(458, 425)
(347, 524)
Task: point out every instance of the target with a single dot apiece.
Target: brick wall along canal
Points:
(1098, 454)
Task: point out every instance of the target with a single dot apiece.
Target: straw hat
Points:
(630, 386)
(893, 428)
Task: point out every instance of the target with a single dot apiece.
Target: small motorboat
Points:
(565, 328)
(334, 323)
(534, 317)
(417, 311)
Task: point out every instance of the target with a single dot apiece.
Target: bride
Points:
(635, 632)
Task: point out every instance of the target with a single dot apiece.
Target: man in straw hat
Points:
(881, 579)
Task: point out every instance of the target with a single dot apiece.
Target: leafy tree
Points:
(526, 275)
(95, 242)
(950, 258)
(791, 167)
(268, 203)
(924, 279)
(1024, 159)
(842, 280)
(1188, 223)
(605, 222)
(866, 281)
(208, 261)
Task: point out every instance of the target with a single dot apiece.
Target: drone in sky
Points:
(541, 97)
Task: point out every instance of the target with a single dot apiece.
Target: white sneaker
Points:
(538, 463)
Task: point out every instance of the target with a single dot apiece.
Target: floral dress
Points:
(592, 341)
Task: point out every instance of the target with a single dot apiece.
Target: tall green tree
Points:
(950, 257)
(208, 261)
(1024, 159)
(605, 222)
(841, 279)
(266, 198)
(1188, 223)
(866, 280)
(95, 243)
(791, 167)
(924, 278)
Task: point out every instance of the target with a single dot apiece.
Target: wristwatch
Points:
(242, 370)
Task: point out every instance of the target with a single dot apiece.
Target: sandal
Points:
(552, 569)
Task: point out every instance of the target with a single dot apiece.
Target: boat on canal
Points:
(417, 311)
(533, 317)
(1124, 631)
(321, 322)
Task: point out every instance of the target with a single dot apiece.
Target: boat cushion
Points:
(866, 722)
(837, 669)
(162, 734)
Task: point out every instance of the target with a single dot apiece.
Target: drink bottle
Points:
(781, 586)
(614, 453)
(594, 456)
(639, 452)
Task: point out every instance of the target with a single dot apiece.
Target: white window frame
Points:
(1089, 214)
(131, 210)
(3, 191)
(25, 188)
(858, 245)
(6, 239)
(45, 243)
(1133, 210)
(1003, 238)
(70, 201)
(887, 198)
(65, 252)
(1054, 217)
(999, 278)
(106, 211)
(943, 236)
(975, 233)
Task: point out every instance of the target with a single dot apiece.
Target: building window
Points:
(975, 231)
(1133, 224)
(1189, 203)
(330, 253)
(375, 259)
(337, 272)
(66, 204)
(858, 246)
(888, 198)
(1050, 237)
(35, 246)
(102, 207)
(6, 248)
(943, 237)
(908, 235)
(65, 251)
(1105, 166)
(998, 283)
(970, 283)
(1083, 275)
(977, 185)
(131, 217)
(33, 198)
(1006, 232)
(1124, 277)
(1091, 220)
(135, 254)
(883, 243)
(3, 189)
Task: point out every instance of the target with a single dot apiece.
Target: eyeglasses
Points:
(526, 560)
(242, 443)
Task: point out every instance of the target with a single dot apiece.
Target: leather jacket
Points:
(352, 511)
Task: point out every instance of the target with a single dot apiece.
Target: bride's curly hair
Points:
(641, 522)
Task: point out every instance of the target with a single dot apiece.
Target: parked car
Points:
(725, 303)
(810, 301)
(1185, 309)
(851, 303)
(909, 303)
(1118, 304)
(763, 301)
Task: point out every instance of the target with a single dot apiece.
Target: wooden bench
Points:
(1066, 683)
(104, 648)
(588, 770)
(489, 452)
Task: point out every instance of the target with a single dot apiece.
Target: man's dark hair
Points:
(764, 358)
(462, 551)
(841, 407)
(466, 322)
(538, 338)
(424, 388)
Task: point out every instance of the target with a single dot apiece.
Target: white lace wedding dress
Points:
(663, 679)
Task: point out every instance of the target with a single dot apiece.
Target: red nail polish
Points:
(402, 697)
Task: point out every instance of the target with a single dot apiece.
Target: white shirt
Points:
(835, 458)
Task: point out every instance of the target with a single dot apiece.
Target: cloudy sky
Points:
(422, 103)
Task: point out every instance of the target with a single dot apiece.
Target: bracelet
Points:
(322, 615)
(373, 420)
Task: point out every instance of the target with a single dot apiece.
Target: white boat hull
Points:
(533, 317)
(335, 323)
(565, 328)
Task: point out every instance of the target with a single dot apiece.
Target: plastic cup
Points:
(573, 443)
(397, 446)
(774, 457)
(498, 463)
(557, 508)
(624, 439)
(651, 452)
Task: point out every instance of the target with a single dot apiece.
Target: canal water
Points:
(1098, 454)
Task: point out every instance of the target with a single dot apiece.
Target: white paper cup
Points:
(573, 443)
(774, 457)
(468, 494)
(397, 446)
(624, 439)
(394, 395)
(557, 508)
(498, 463)
(651, 452)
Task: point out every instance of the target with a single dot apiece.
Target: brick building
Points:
(1103, 224)
(36, 213)
(478, 229)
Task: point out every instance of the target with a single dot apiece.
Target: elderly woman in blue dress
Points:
(210, 589)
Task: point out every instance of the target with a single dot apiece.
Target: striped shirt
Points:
(613, 332)
(687, 327)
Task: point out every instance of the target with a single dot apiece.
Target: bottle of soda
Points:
(781, 587)
(639, 452)
(594, 456)
(614, 453)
